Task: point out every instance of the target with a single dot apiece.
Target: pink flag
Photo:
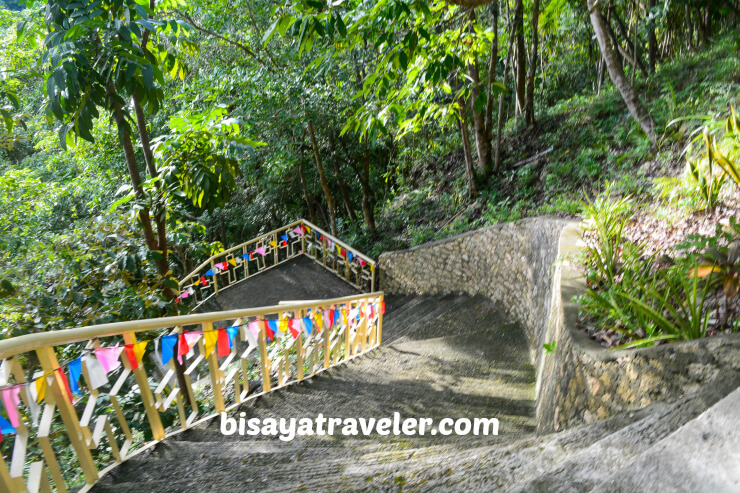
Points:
(11, 400)
(295, 327)
(109, 357)
(254, 328)
(261, 250)
(298, 230)
(187, 339)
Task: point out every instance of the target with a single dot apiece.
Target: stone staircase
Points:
(447, 356)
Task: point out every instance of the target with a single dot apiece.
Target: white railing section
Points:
(241, 262)
(75, 438)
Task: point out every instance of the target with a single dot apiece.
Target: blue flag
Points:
(210, 272)
(168, 344)
(232, 332)
(5, 426)
(75, 370)
(307, 323)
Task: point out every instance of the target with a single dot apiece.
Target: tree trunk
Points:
(342, 186)
(482, 144)
(633, 60)
(462, 119)
(368, 199)
(635, 106)
(500, 120)
(324, 182)
(521, 56)
(529, 113)
(492, 74)
(652, 41)
(306, 195)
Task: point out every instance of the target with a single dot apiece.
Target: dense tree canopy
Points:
(137, 138)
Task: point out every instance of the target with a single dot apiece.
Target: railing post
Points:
(299, 349)
(303, 239)
(49, 363)
(145, 392)
(275, 249)
(213, 370)
(347, 341)
(215, 278)
(372, 278)
(327, 347)
(380, 320)
(263, 360)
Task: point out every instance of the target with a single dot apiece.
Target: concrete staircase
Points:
(448, 356)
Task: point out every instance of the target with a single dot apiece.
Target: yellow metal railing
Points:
(105, 424)
(241, 262)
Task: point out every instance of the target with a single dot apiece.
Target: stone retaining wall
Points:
(528, 268)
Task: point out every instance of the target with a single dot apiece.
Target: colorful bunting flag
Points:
(261, 250)
(298, 230)
(253, 332)
(204, 281)
(135, 353)
(224, 348)
(75, 370)
(269, 332)
(349, 254)
(382, 307)
(318, 322)
(40, 385)
(109, 357)
(61, 375)
(11, 400)
(232, 333)
(295, 327)
(5, 427)
(210, 338)
(210, 272)
(95, 372)
(168, 344)
(285, 239)
(186, 342)
(232, 262)
(273, 244)
(273, 326)
(283, 325)
(307, 325)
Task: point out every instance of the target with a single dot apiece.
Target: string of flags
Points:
(100, 362)
(262, 250)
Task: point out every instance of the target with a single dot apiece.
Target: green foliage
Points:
(198, 159)
(606, 220)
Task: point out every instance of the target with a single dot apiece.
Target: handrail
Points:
(30, 342)
(240, 262)
(319, 335)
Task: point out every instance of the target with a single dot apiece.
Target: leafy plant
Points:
(708, 183)
(607, 219)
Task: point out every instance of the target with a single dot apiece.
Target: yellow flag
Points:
(318, 320)
(196, 283)
(232, 262)
(210, 338)
(139, 350)
(344, 315)
(283, 325)
(40, 388)
(273, 244)
(308, 230)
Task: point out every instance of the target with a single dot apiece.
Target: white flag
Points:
(95, 371)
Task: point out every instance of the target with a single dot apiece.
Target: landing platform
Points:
(297, 279)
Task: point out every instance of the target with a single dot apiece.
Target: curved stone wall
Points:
(528, 268)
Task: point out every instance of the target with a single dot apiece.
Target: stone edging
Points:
(527, 267)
